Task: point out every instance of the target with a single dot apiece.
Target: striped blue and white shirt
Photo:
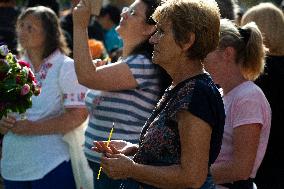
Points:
(127, 109)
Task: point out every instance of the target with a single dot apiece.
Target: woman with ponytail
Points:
(237, 62)
(270, 20)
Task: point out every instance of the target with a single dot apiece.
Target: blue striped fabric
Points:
(128, 109)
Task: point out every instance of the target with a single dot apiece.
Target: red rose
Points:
(31, 75)
(18, 79)
(34, 83)
(23, 63)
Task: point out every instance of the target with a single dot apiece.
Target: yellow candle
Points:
(108, 141)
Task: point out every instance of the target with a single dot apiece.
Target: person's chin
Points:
(121, 24)
(156, 60)
(155, 57)
(120, 30)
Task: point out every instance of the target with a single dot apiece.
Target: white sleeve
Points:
(73, 92)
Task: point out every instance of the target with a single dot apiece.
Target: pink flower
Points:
(34, 83)
(25, 89)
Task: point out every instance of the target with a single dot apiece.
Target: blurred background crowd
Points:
(104, 40)
(106, 44)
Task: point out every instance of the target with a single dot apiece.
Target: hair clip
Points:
(245, 34)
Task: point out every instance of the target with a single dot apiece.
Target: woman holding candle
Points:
(182, 137)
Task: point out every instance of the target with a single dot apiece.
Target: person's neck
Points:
(109, 26)
(128, 47)
(186, 69)
(35, 57)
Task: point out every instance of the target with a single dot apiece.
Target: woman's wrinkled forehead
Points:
(164, 23)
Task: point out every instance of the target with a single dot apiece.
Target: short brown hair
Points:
(54, 38)
(270, 21)
(200, 17)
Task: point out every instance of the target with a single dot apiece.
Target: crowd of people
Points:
(191, 88)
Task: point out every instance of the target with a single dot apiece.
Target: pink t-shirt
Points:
(245, 104)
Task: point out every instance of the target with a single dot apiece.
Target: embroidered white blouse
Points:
(32, 157)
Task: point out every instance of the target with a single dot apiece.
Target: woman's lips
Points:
(155, 50)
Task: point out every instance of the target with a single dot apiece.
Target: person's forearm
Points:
(83, 62)
(228, 172)
(164, 176)
(62, 124)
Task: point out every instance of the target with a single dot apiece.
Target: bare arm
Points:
(245, 144)
(62, 124)
(111, 77)
(195, 137)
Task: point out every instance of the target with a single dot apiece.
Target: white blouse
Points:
(32, 157)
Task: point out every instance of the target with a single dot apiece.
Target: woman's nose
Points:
(20, 32)
(124, 15)
(153, 38)
(125, 12)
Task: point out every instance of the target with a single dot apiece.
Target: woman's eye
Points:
(160, 32)
(29, 28)
(132, 12)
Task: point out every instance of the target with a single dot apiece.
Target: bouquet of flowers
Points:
(17, 84)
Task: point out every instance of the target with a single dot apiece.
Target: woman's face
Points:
(166, 51)
(132, 23)
(213, 63)
(30, 33)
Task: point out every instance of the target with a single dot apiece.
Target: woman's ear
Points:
(189, 42)
(229, 53)
(149, 30)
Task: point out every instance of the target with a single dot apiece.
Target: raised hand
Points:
(81, 14)
(95, 6)
(99, 62)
